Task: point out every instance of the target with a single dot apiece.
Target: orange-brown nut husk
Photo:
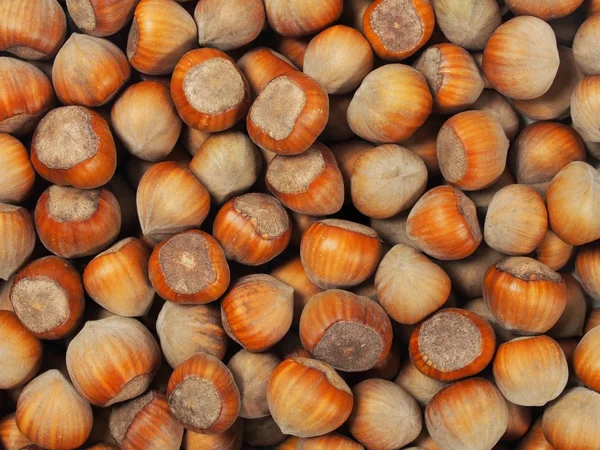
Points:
(209, 91)
(541, 150)
(339, 253)
(585, 101)
(32, 30)
(398, 28)
(22, 108)
(423, 143)
(80, 63)
(519, 421)
(587, 265)
(572, 320)
(310, 183)
(391, 103)
(584, 44)
(53, 308)
(521, 58)
(471, 150)
(302, 17)
(112, 360)
(52, 414)
(531, 371)
(117, 279)
(189, 267)
(384, 415)
(350, 332)
(501, 109)
(573, 420)
(535, 439)
(101, 17)
(10, 436)
(21, 352)
(293, 49)
(421, 387)
(187, 329)
(73, 223)
(573, 203)
(289, 114)
(251, 321)
(555, 104)
(593, 320)
(231, 439)
(207, 382)
(524, 295)
(145, 423)
(516, 221)
(586, 360)
(346, 153)
(469, 414)
(443, 224)
(307, 398)
(162, 32)
(293, 274)
(17, 239)
(252, 228)
(453, 77)
(331, 441)
(464, 332)
(73, 146)
(261, 65)
(544, 9)
(554, 252)
(409, 285)
(17, 177)
(170, 200)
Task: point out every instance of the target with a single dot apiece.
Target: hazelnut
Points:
(593, 320)
(10, 436)
(346, 153)
(294, 48)
(500, 109)
(421, 387)
(519, 421)
(484, 197)
(546, 10)
(584, 102)
(572, 320)
(192, 139)
(302, 17)
(17, 239)
(17, 177)
(101, 17)
(262, 432)
(331, 441)
(586, 360)
(392, 230)
(261, 65)
(584, 44)
(21, 353)
(228, 440)
(535, 439)
(587, 265)
(479, 307)
(467, 274)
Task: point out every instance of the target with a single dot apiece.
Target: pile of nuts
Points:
(300, 224)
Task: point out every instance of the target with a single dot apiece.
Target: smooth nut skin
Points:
(308, 398)
(231, 439)
(17, 176)
(544, 9)
(302, 17)
(10, 435)
(583, 46)
(554, 252)
(586, 359)
(331, 441)
(101, 17)
(587, 265)
(584, 101)
(17, 239)
(262, 432)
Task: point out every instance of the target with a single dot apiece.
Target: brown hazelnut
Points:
(228, 440)
(535, 439)
(467, 274)
(586, 359)
(17, 239)
(584, 45)
(101, 17)
(500, 109)
(346, 153)
(332, 441)
(262, 432)
(192, 139)
(584, 101)
(479, 307)
(17, 177)
(423, 143)
(392, 231)
(261, 65)
(572, 320)
(21, 353)
(593, 320)
(294, 48)
(10, 436)
(302, 17)
(421, 387)
(554, 252)
(545, 10)
(587, 265)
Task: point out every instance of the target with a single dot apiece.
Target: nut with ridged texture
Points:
(18, 176)
(252, 322)
(524, 295)
(101, 17)
(20, 350)
(23, 108)
(471, 150)
(146, 121)
(585, 101)
(187, 329)
(47, 296)
(409, 285)
(17, 239)
(117, 279)
(302, 17)
(308, 398)
(293, 48)
(544, 9)
(210, 92)
(309, 183)
(52, 414)
(384, 415)
(161, 33)
(586, 360)
(516, 221)
(289, 114)
(229, 25)
(468, 24)
(203, 396)
(73, 146)
(189, 268)
(387, 180)
(521, 58)
(350, 332)
(531, 371)
(396, 29)
(145, 422)
(252, 228)
(453, 77)
(170, 200)
(231, 439)
(339, 253)
(452, 231)
(10, 435)
(452, 344)
(118, 350)
(467, 415)
(73, 223)
(554, 252)
(32, 30)
(227, 164)
(80, 63)
(391, 103)
(261, 65)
